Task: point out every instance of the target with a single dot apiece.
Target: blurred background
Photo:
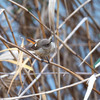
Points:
(24, 25)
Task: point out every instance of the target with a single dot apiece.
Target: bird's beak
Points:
(31, 40)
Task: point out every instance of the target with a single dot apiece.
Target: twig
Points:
(52, 91)
(3, 11)
(45, 73)
(58, 52)
(90, 16)
(66, 46)
(75, 11)
(30, 14)
(10, 27)
(39, 15)
(90, 53)
(89, 42)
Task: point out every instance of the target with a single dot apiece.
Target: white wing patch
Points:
(35, 44)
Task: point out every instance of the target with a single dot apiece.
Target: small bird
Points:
(41, 47)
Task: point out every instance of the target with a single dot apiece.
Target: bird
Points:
(41, 47)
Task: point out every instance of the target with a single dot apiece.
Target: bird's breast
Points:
(42, 52)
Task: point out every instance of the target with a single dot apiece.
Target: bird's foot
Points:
(48, 60)
(42, 60)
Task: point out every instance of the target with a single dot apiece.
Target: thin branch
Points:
(39, 15)
(73, 52)
(75, 11)
(52, 91)
(89, 42)
(58, 51)
(45, 73)
(90, 53)
(90, 16)
(10, 27)
(30, 14)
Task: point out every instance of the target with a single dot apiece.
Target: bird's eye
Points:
(46, 45)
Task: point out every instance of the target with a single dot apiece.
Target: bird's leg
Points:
(42, 60)
(48, 60)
